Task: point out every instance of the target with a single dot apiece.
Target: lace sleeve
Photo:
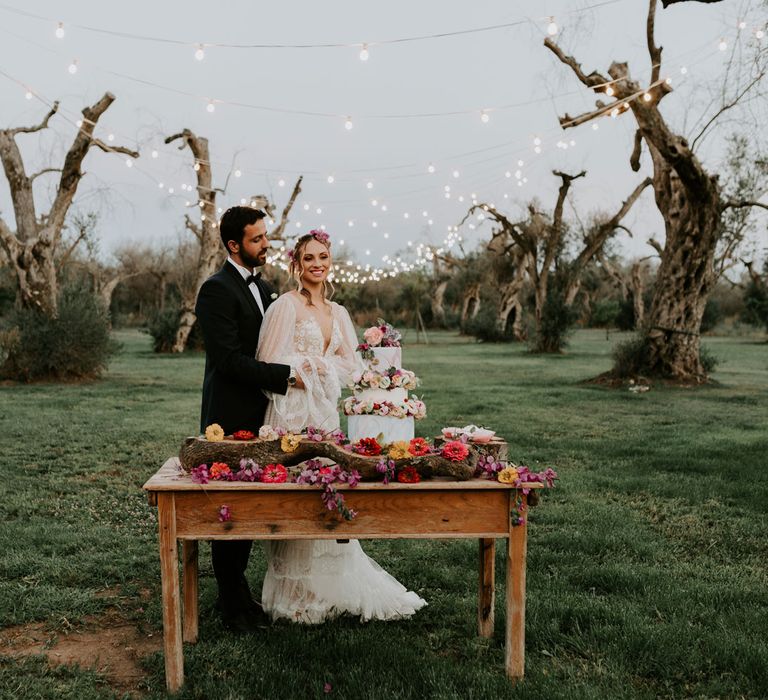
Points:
(346, 360)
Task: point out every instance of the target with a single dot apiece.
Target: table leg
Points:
(189, 549)
(515, 633)
(487, 591)
(169, 573)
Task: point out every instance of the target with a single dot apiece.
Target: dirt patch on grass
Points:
(111, 647)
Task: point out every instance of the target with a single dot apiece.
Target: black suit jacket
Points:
(231, 320)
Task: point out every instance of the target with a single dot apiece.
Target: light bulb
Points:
(369, 185)
(281, 182)
(507, 174)
(238, 173)
(742, 25)
(668, 81)
(447, 188)
(170, 190)
(484, 117)
(160, 185)
(573, 143)
(374, 202)
(155, 154)
(456, 173)
(424, 213)
(521, 163)
(386, 235)
(128, 163)
(406, 215)
(683, 70)
(759, 34)
(60, 30)
(199, 52)
(28, 95)
(647, 97)
(383, 207)
(364, 53)
(723, 45)
(350, 223)
(330, 179)
(348, 123)
(306, 207)
(211, 107)
(430, 168)
(615, 112)
(374, 224)
(609, 91)
(595, 126)
(197, 167)
(318, 210)
(537, 141)
(72, 67)
(552, 27)
(111, 137)
(537, 149)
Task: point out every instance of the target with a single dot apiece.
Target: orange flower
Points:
(418, 447)
(455, 451)
(219, 470)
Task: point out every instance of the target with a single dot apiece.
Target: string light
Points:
(595, 126)
(348, 123)
(330, 179)
(759, 34)
(128, 163)
(723, 45)
(430, 168)
(537, 141)
(319, 210)
(484, 117)
(199, 52)
(647, 97)
(210, 107)
(281, 182)
(28, 95)
(683, 70)
(456, 173)
(369, 185)
(552, 27)
(197, 167)
(609, 91)
(160, 185)
(364, 55)
(111, 137)
(72, 67)
(742, 25)
(60, 30)
(155, 154)
(238, 173)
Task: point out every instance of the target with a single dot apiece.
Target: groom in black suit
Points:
(230, 308)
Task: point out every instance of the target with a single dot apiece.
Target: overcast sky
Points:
(505, 71)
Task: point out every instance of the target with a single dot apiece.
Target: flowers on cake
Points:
(410, 408)
(243, 435)
(368, 447)
(373, 336)
(392, 378)
(214, 433)
(455, 451)
(381, 335)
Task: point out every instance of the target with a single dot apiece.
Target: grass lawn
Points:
(647, 572)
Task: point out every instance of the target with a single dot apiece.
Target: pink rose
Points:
(373, 335)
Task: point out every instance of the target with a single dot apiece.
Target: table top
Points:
(171, 477)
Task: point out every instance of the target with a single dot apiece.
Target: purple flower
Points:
(327, 687)
(320, 236)
(225, 514)
(199, 474)
(387, 468)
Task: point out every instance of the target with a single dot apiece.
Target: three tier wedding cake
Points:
(380, 404)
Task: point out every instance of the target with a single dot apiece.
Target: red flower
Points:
(408, 475)
(274, 474)
(243, 435)
(418, 447)
(219, 470)
(455, 451)
(368, 447)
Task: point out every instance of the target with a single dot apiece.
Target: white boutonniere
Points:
(273, 296)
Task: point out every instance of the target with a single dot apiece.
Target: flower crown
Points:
(319, 235)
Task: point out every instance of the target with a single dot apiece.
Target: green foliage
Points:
(756, 304)
(163, 326)
(557, 321)
(485, 328)
(74, 345)
(605, 313)
(713, 314)
(631, 358)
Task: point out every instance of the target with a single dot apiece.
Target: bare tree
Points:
(31, 249)
(690, 199)
(540, 239)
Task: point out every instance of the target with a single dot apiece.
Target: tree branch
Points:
(193, 227)
(653, 50)
(277, 234)
(743, 203)
(114, 149)
(43, 172)
(42, 125)
(637, 151)
(594, 80)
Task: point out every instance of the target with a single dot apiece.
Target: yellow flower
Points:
(399, 450)
(214, 433)
(289, 442)
(508, 475)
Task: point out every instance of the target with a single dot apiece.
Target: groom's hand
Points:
(299, 383)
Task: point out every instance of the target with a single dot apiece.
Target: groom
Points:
(230, 308)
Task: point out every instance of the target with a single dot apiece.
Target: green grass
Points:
(646, 566)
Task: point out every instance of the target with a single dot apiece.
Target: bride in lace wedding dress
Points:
(311, 581)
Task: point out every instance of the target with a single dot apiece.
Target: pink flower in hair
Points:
(320, 236)
(290, 255)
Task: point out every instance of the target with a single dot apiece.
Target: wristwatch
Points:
(292, 377)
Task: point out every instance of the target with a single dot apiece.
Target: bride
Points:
(311, 581)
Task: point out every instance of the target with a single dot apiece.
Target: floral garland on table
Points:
(392, 378)
(410, 408)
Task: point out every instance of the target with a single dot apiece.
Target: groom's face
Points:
(252, 252)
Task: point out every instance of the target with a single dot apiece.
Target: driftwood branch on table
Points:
(195, 451)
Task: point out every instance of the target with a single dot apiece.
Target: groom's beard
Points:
(253, 260)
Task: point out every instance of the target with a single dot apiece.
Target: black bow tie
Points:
(253, 279)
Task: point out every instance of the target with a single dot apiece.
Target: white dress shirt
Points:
(245, 272)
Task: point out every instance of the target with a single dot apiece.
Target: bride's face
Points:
(315, 263)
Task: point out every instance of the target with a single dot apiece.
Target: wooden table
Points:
(431, 509)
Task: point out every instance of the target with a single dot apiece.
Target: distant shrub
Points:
(75, 345)
(631, 358)
(557, 321)
(163, 326)
(604, 313)
(713, 314)
(484, 327)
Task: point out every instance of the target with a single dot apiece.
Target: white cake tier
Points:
(384, 358)
(381, 395)
(392, 429)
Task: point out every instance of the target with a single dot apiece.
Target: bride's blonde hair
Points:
(296, 267)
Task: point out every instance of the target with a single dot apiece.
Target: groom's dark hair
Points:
(233, 223)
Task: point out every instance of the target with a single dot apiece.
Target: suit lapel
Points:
(243, 287)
